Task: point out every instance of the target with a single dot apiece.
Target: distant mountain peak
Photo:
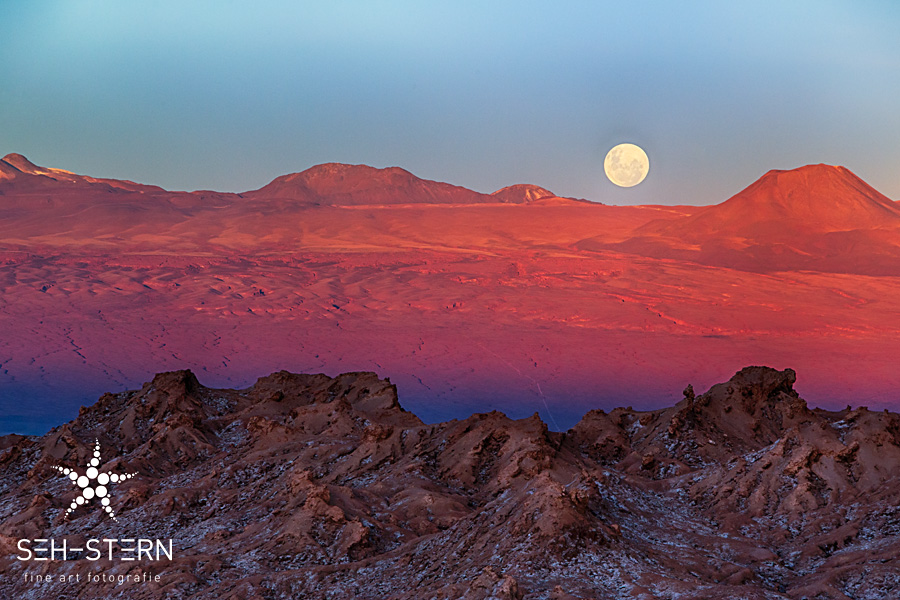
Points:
(14, 164)
(522, 193)
(347, 169)
(21, 163)
(347, 185)
(343, 176)
(816, 217)
(814, 198)
(821, 180)
(811, 169)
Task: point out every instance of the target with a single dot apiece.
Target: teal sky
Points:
(228, 95)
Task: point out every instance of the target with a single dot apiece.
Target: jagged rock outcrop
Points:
(312, 486)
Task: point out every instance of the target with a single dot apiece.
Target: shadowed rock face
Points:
(310, 486)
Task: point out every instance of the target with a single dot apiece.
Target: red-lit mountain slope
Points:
(818, 217)
(517, 300)
(782, 204)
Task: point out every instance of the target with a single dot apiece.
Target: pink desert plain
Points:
(517, 300)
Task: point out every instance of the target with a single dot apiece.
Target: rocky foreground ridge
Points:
(306, 486)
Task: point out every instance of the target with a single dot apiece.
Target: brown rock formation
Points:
(317, 487)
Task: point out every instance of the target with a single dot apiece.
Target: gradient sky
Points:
(228, 95)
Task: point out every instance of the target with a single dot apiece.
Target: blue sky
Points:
(228, 95)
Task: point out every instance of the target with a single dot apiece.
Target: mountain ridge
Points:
(353, 184)
(342, 184)
(38, 179)
(333, 487)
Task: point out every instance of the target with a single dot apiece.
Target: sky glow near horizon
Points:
(227, 96)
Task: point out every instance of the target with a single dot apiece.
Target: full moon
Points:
(626, 165)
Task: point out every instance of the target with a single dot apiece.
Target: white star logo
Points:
(94, 483)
